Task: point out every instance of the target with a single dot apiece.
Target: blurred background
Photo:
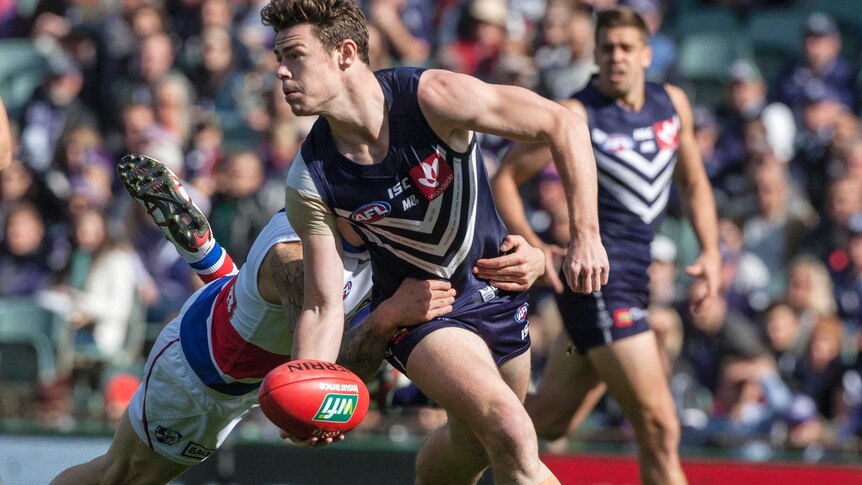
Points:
(770, 372)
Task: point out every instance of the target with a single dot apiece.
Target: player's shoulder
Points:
(677, 95)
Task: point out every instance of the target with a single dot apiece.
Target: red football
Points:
(313, 397)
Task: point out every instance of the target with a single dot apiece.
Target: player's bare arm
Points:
(415, 302)
(5, 138)
(521, 163)
(279, 279)
(691, 178)
(455, 105)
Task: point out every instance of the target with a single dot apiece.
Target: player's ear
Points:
(348, 53)
(647, 57)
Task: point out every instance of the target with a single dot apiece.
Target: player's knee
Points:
(662, 432)
(512, 431)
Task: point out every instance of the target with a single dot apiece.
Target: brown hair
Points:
(620, 17)
(333, 21)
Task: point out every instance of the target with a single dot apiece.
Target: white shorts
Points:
(174, 413)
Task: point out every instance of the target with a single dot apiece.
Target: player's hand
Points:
(418, 301)
(586, 266)
(708, 267)
(518, 268)
(313, 441)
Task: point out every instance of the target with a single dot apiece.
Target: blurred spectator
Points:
(820, 64)
(821, 111)
(664, 50)
(706, 135)
(744, 275)
(18, 184)
(53, 111)
(775, 233)
(713, 333)
(154, 62)
(746, 101)
(118, 392)
(848, 282)
(809, 290)
(174, 104)
(820, 372)
(481, 37)
(97, 281)
(405, 27)
(243, 202)
(25, 253)
(786, 339)
(565, 57)
(662, 272)
(220, 83)
(828, 239)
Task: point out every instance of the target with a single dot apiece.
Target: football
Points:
(313, 398)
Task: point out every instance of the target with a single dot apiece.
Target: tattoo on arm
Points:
(362, 349)
(287, 274)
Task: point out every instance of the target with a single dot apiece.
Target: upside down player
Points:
(205, 368)
(642, 134)
(394, 153)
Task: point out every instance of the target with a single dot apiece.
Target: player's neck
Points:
(358, 120)
(634, 99)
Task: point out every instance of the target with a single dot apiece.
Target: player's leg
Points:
(160, 192)
(568, 391)
(128, 461)
(454, 367)
(632, 369)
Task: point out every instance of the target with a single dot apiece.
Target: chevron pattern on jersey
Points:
(641, 184)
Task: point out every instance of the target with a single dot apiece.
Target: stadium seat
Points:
(21, 316)
(704, 62)
(22, 69)
(705, 19)
(776, 35)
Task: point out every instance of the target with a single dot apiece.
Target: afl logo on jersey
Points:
(616, 143)
(371, 212)
(346, 291)
(521, 313)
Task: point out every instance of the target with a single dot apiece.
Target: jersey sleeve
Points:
(305, 208)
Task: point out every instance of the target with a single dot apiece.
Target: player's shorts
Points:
(174, 413)
(501, 322)
(603, 317)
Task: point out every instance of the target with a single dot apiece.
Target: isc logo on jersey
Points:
(433, 176)
(371, 212)
(336, 408)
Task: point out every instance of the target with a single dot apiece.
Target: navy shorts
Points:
(502, 323)
(603, 317)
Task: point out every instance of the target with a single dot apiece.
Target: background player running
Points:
(642, 135)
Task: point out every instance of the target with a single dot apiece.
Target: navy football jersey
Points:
(635, 154)
(424, 211)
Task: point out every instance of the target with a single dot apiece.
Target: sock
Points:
(211, 262)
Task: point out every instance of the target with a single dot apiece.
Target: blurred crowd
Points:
(772, 363)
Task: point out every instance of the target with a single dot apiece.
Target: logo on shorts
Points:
(432, 176)
(196, 451)
(346, 291)
(371, 212)
(623, 317)
(336, 408)
(521, 314)
(167, 436)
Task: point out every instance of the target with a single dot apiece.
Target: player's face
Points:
(309, 74)
(622, 56)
